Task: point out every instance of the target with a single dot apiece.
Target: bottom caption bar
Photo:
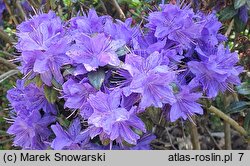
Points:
(124, 158)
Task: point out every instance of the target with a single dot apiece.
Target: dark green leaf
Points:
(238, 106)
(155, 115)
(227, 13)
(50, 94)
(96, 78)
(244, 88)
(247, 121)
(239, 3)
(239, 24)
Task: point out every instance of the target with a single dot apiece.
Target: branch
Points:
(7, 63)
(8, 74)
(229, 29)
(87, 7)
(118, 9)
(227, 99)
(210, 135)
(10, 12)
(194, 134)
(6, 53)
(4, 36)
(34, 4)
(227, 131)
(20, 8)
(229, 120)
(104, 7)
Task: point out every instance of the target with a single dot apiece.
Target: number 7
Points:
(241, 155)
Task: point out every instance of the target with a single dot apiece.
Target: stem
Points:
(228, 119)
(105, 11)
(230, 27)
(170, 139)
(194, 135)
(210, 135)
(34, 4)
(118, 9)
(6, 141)
(20, 8)
(8, 74)
(87, 7)
(10, 12)
(6, 53)
(227, 131)
(7, 63)
(4, 36)
(47, 6)
(227, 99)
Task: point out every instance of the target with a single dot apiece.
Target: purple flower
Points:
(121, 30)
(128, 102)
(89, 24)
(112, 121)
(95, 51)
(144, 142)
(150, 79)
(39, 32)
(46, 63)
(185, 105)
(31, 132)
(215, 73)
(175, 24)
(148, 44)
(72, 139)
(210, 35)
(76, 95)
(43, 46)
(26, 99)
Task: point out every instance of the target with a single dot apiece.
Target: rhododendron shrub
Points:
(88, 80)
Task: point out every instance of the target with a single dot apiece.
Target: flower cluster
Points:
(88, 80)
(31, 114)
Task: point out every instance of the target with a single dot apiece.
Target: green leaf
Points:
(135, 3)
(50, 94)
(56, 84)
(38, 81)
(122, 51)
(244, 88)
(247, 121)
(239, 24)
(67, 2)
(227, 13)
(239, 3)
(238, 106)
(96, 78)
(155, 114)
